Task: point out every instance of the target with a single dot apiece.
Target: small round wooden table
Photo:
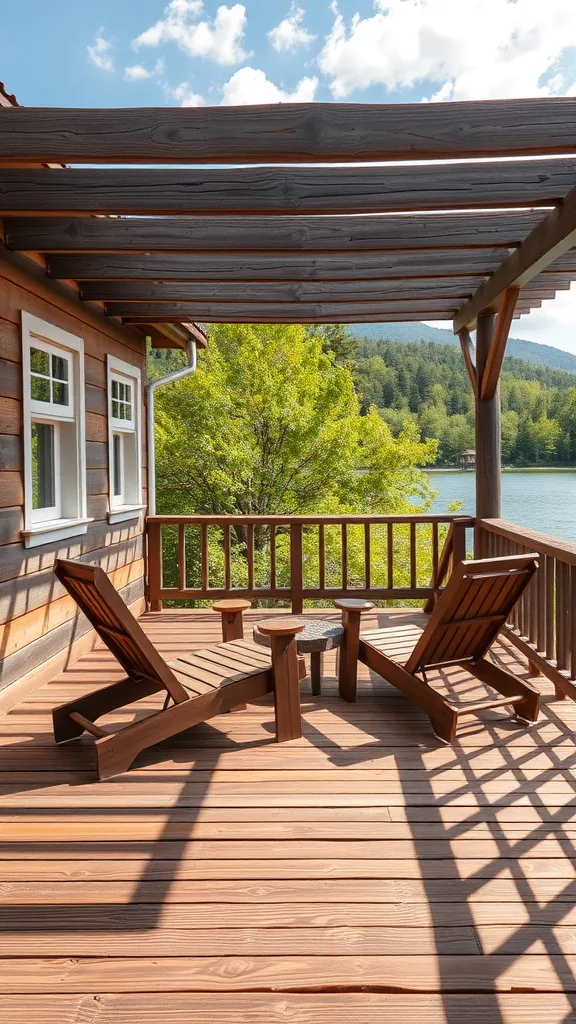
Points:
(315, 638)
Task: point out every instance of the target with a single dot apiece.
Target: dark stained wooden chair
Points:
(465, 622)
(201, 684)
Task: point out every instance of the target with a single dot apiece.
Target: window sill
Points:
(54, 530)
(125, 512)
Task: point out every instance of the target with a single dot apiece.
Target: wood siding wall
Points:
(39, 622)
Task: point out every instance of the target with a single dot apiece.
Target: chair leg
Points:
(94, 705)
(509, 686)
(444, 726)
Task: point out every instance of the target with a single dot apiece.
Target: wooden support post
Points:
(296, 583)
(488, 442)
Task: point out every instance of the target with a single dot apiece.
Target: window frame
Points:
(38, 528)
(128, 504)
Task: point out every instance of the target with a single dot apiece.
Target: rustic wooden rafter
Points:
(270, 234)
(289, 132)
(289, 191)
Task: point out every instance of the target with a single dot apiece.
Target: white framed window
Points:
(54, 433)
(124, 439)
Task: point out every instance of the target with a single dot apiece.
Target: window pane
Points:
(117, 440)
(114, 389)
(59, 368)
(59, 393)
(115, 410)
(43, 481)
(40, 389)
(39, 361)
(128, 392)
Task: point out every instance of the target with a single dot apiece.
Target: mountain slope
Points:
(544, 355)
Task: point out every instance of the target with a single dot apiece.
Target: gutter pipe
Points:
(151, 391)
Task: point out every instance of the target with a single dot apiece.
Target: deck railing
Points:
(543, 624)
(291, 559)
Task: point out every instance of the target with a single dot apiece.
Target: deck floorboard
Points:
(362, 873)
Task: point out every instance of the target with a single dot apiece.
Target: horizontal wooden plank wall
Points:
(39, 623)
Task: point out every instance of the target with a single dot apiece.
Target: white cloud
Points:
(478, 49)
(290, 33)
(136, 72)
(219, 39)
(250, 85)
(186, 97)
(99, 52)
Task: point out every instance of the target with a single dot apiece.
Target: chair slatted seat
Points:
(464, 623)
(201, 684)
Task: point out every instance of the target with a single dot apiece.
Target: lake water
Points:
(541, 499)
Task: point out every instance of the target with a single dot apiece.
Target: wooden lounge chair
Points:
(201, 684)
(465, 622)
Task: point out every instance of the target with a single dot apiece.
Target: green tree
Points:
(269, 423)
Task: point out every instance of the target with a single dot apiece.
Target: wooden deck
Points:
(361, 874)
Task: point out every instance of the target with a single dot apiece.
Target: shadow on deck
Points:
(363, 873)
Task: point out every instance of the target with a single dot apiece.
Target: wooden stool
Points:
(352, 608)
(282, 633)
(231, 611)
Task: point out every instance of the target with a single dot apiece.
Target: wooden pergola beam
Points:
(270, 234)
(497, 349)
(432, 264)
(288, 132)
(469, 353)
(290, 191)
(547, 241)
(303, 291)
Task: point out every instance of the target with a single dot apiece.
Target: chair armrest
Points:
(231, 610)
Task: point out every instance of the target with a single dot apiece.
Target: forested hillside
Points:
(427, 384)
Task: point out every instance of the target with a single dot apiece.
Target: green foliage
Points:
(271, 424)
(425, 384)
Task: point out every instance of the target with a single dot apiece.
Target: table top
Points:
(316, 636)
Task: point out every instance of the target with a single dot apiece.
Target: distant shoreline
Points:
(510, 469)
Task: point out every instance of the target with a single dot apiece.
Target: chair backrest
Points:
(102, 605)
(471, 611)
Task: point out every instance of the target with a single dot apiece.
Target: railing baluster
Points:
(205, 571)
(154, 566)
(321, 557)
(272, 557)
(227, 566)
(367, 557)
(572, 606)
(550, 591)
(560, 617)
(434, 552)
(390, 555)
(181, 557)
(296, 567)
(344, 536)
(541, 604)
(413, 555)
(250, 554)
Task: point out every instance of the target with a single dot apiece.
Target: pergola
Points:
(306, 213)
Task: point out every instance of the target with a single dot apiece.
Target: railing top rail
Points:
(544, 543)
(231, 520)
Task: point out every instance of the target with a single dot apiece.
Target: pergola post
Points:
(488, 439)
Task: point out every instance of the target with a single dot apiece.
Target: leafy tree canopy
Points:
(270, 423)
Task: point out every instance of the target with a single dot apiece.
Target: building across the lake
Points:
(468, 459)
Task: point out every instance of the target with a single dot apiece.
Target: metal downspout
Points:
(151, 390)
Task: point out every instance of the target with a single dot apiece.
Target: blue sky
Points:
(193, 52)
